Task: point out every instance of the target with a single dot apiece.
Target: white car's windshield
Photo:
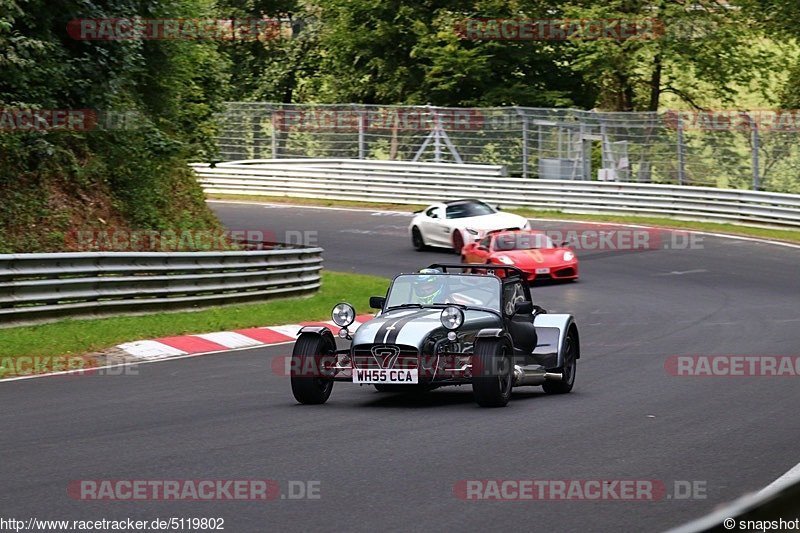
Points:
(429, 289)
(468, 209)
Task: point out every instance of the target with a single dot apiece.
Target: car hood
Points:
(413, 327)
(540, 256)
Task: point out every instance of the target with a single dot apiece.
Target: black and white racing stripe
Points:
(389, 330)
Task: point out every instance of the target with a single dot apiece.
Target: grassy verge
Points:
(83, 336)
(665, 222)
(322, 202)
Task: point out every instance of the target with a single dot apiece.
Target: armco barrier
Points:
(422, 183)
(44, 286)
(775, 508)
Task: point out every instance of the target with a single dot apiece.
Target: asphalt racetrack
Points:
(392, 462)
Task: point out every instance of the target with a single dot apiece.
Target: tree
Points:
(700, 51)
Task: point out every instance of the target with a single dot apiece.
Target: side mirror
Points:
(377, 302)
(499, 207)
(523, 308)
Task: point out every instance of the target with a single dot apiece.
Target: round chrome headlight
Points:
(452, 317)
(343, 315)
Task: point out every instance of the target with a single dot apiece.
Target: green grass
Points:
(76, 337)
(315, 201)
(665, 222)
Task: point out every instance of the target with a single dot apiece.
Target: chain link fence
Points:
(743, 150)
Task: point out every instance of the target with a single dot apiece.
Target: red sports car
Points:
(531, 251)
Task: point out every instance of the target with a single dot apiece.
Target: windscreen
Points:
(468, 209)
(430, 289)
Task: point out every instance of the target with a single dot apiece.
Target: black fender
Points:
(322, 331)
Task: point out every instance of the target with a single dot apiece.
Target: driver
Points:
(428, 287)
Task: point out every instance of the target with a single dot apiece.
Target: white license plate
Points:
(381, 375)
(542, 270)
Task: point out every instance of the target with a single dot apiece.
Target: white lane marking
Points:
(785, 480)
(290, 330)
(229, 339)
(682, 272)
(149, 349)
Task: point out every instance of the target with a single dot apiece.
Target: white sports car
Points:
(457, 222)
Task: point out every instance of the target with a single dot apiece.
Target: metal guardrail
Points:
(376, 165)
(752, 512)
(416, 185)
(44, 286)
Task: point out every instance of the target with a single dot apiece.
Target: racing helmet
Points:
(428, 285)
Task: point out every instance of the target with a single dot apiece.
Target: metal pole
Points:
(436, 141)
(524, 144)
(361, 134)
(681, 155)
(274, 137)
(756, 143)
(586, 156)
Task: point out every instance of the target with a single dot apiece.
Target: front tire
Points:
(308, 351)
(416, 240)
(492, 373)
(458, 242)
(568, 370)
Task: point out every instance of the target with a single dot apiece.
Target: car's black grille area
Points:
(385, 356)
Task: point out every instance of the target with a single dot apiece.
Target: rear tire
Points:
(311, 390)
(416, 240)
(568, 370)
(458, 242)
(492, 373)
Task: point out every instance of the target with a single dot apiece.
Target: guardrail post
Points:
(681, 155)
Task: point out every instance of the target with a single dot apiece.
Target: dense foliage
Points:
(125, 174)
